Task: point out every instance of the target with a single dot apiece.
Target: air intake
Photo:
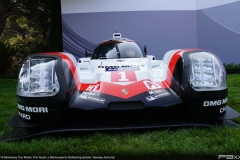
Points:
(134, 105)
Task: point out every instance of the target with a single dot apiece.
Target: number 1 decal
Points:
(122, 76)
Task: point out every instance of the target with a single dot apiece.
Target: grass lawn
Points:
(194, 143)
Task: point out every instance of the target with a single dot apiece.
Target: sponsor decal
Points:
(33, 109)
(125, 91)
(128, 76)
(215, 102)
(24, 116)
(159, 91)
(151, 85)
(111, 69)
(122, 69)
(119, 60)
(93, 94)
(155, 94)
(92, 87)
(123, 66)
(150, 98)
(92, 98)
(222, 110)
(21, 107)
(37, 109)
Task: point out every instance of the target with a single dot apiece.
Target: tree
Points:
(8, 8)
(5, 57)
(37, 11)
(29, 26)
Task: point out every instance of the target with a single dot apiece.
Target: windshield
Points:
(110, 50)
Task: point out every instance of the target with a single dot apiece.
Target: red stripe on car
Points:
(114, 89)
(71, 66)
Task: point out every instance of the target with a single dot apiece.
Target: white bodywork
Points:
(91, 71)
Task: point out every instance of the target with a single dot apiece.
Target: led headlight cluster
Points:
(38, 78)
(206, 72)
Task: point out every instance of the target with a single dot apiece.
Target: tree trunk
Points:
(2, 20)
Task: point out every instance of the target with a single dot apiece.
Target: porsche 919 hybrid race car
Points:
(119, 87)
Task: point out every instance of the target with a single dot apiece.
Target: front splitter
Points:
(24, 133)
(31, 130)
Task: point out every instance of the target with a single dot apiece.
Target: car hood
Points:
(134, 74)
(109, 70)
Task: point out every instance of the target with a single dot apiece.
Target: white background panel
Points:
(86, 6)
(203, 4)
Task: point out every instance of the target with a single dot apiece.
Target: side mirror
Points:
(87, 54)
(145, 49)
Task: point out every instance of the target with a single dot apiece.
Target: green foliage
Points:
(7, 103)
(31, 27)
(234, 94)
(232, 68)
(6, 53)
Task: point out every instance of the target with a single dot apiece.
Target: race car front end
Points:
(119, 87)
(120, 93)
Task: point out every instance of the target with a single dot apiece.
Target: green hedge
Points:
(232, 68)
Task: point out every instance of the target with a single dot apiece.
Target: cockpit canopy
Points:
(114, 49)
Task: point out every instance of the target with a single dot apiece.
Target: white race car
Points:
(119, 87)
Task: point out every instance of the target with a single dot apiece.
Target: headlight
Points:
(206, 72)
(37, 78)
